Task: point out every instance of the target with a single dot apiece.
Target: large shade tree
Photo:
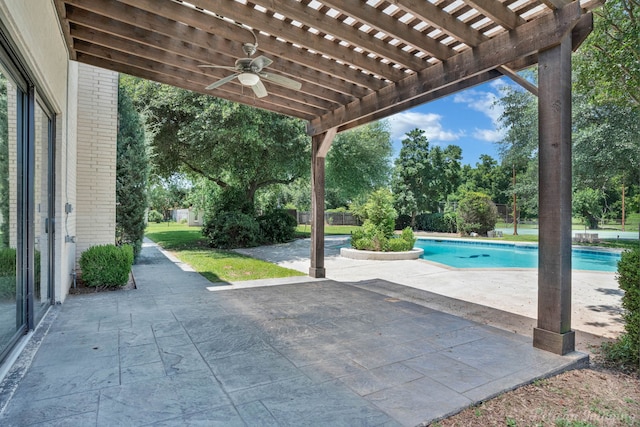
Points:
(232, 145)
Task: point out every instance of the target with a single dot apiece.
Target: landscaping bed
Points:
(580, 398)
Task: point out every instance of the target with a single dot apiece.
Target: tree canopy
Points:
(608, 63)
(230, 144)
(358, 162)
(423, 176)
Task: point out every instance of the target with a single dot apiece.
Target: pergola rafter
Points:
(358, 61)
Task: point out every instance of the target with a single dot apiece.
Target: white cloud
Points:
(430, 123)
(484, 102)
(488, 135)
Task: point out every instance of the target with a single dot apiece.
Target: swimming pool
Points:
(465, 254)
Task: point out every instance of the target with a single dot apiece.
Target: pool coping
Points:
(521, 245)
(597, 249)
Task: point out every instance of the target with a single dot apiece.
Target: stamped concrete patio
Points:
(179, 351)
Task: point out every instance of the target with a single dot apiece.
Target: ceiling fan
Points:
(249, 72)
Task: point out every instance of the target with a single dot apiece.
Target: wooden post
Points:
(553, 332)
(320, 146)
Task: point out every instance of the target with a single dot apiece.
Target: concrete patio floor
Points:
(511, 293)
(180, 351)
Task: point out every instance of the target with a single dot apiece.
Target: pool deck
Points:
(511, 293)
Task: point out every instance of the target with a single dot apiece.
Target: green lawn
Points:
(304, 230)
(216, 265)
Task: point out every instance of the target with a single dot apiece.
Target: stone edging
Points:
(380, 256)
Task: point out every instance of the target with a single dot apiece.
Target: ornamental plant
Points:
(106, 265)
(376, 233)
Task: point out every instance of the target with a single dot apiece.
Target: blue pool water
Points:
(461, 254)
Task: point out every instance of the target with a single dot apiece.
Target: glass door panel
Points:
(43, 225)
(12, 318)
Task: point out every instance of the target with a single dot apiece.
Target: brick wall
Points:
(96, 157)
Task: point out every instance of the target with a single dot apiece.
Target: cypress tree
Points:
(131, 174)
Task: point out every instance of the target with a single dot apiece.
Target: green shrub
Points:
(399, 245)
(626, 351)
(408, 236)
(363, 244)
(403, 221)
(277, 226)
(232, 230)
(476, 213)
(378, 211)
(106, 265)
(154, 216)
(379, 222)
(437, 222)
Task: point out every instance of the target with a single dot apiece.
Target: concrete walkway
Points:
(180, 351)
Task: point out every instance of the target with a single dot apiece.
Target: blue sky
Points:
(468, 119)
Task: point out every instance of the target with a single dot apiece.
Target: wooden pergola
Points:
(360, 61)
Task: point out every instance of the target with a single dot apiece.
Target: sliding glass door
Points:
(12, 290)
(27, 188)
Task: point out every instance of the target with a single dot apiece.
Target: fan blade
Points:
(221, 82)
(259, 63)
(224, 67)
(259, 89)
(282, 81)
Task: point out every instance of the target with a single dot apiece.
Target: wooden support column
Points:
(553, 332)
(320, 146)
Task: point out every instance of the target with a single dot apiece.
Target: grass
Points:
(190, 247)
(304, 230)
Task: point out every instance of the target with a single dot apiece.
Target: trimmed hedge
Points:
(403, 221)
(106, 265)
(437, 222)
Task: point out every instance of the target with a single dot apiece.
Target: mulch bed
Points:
(81, 288)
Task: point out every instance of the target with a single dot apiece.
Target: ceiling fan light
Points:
(248, 79)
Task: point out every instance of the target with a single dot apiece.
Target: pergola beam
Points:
(182, 82)
(445, 22)
(501, 49)
(518, 79)
(382, 22)
(171, 64)
(227, 39)
(342, 31)
(278, 28)
(499, 13)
